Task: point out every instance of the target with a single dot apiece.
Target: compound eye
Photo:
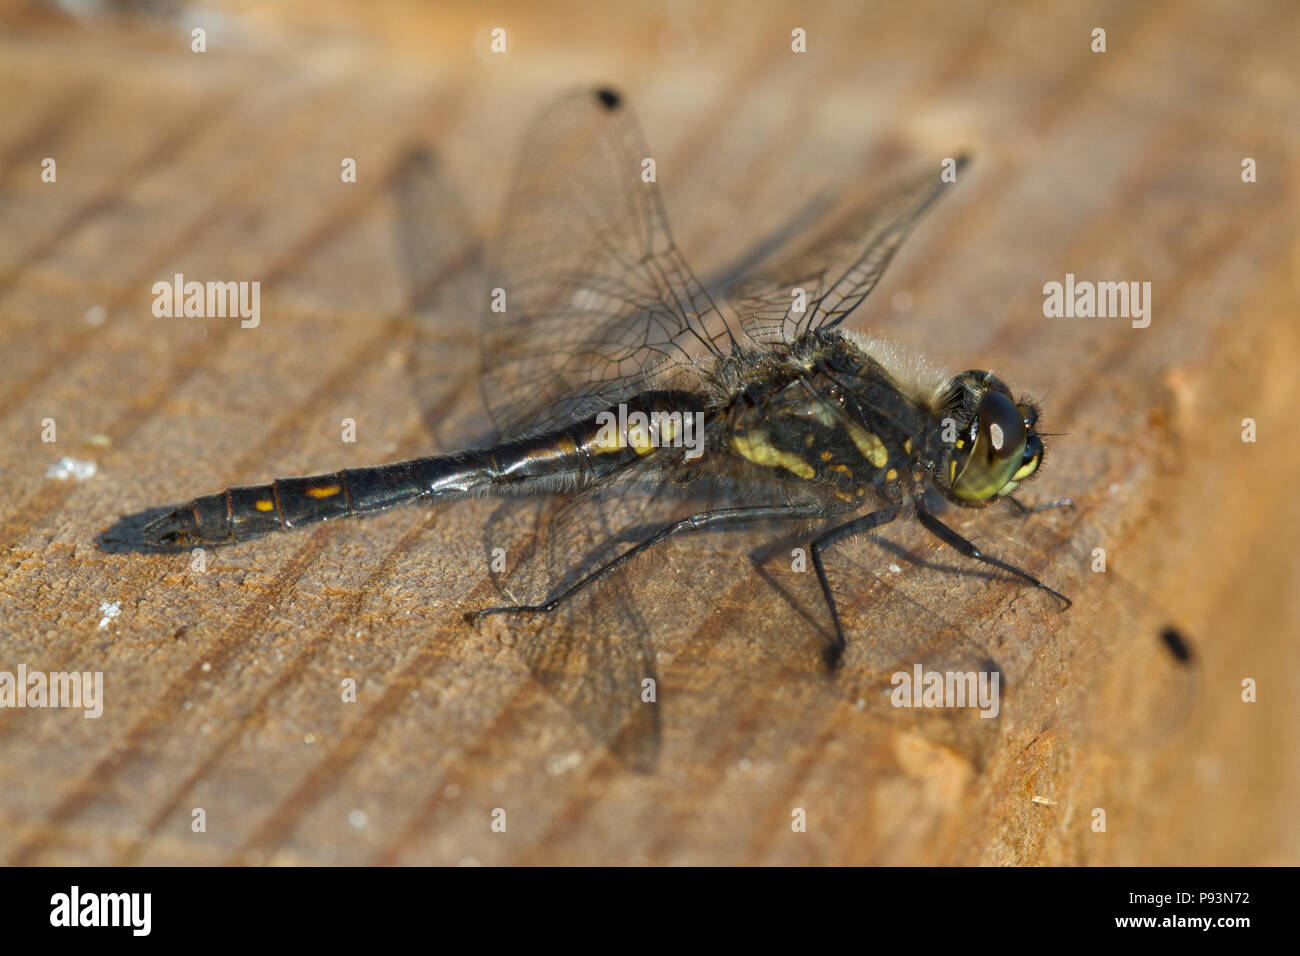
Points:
(986, 468)
(1001, 428)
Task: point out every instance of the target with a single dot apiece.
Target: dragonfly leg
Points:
(855, 527)
(968, 548)
(696, 522)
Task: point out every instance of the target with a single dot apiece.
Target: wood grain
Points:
(223, 688)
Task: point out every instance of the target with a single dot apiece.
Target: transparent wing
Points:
(836, 272)
(443, 264)
(433, 228)
(595, 653)
(590, 295)
(592, 655)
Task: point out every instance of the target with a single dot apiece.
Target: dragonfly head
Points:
(986, 440)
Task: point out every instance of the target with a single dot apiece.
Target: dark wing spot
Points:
(608, 98)
(1177, 645)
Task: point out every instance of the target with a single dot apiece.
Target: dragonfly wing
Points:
(434, 235)
(442, 263)
(590, 295)
(820, 285)
(594, 653)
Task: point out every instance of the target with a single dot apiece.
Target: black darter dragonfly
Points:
(617, 384)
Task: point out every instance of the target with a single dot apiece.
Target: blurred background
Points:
(223, 688)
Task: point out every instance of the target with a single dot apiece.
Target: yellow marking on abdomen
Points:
(607, 440)
(669, 426)
(263, 504)
(640, 439)
(324, 491)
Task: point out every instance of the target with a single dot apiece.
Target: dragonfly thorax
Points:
(832, 419)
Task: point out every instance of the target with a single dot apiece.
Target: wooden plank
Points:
(223, 688)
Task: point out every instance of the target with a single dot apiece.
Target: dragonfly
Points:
(635, 411)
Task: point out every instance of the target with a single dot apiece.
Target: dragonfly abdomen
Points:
(544, 463)
(562, 460)
(247, 512)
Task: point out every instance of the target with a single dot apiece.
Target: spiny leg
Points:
(855, 527)
(696, 522)
(968, 548)
(782, 544)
